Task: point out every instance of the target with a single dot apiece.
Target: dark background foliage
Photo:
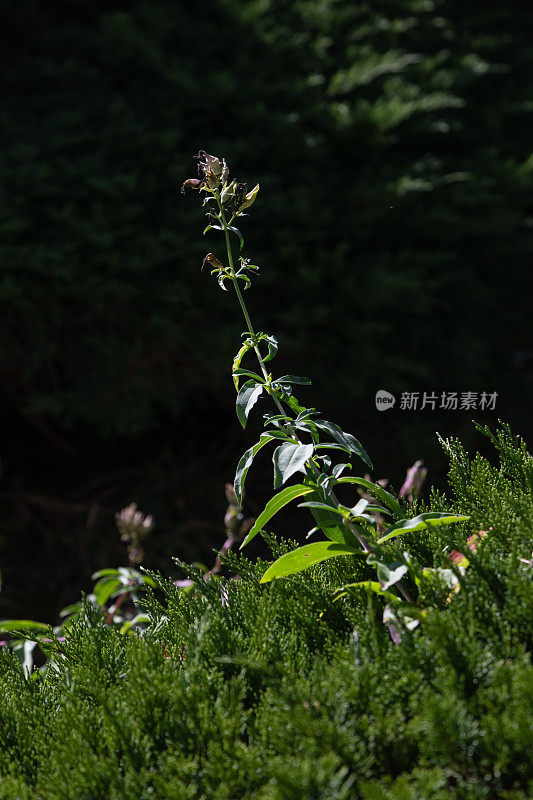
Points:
(391, 141)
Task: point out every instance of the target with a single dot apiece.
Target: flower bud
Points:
(249, 198)
(228, 192)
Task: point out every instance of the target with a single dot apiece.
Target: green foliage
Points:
(272, 692)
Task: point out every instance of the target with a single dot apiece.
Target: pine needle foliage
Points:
(275, 692)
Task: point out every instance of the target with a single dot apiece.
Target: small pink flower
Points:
(474, 540)
(459, 558)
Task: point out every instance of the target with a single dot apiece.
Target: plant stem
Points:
(367, 548)
(243, 305)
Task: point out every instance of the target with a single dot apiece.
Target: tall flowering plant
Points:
(311, 454)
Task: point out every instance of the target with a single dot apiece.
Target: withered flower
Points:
(133, 527)
(212, 260)
(191, 183)
(211, 170)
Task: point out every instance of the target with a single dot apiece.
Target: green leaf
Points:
(282, 434)
(378, 510)
(247, 345)
(290, 458)
(324, 506)
(11, 625)
(386, 497)
(23, 651)
(68, 611)
(307, 426)
(105, 587)
(296, 379)
(388, 574)
(359, 507)
(332, 446)
(246, 399)
(135, 621)
(249, 199)
(274, 505)
(248, 372)
(432, 519)
(237, 232)
(246, 462)
(338, 469)
(246, 279)
(227, 192)
(305, 557)
(272, 348)
(102, 572)
(371, 586)
(294, 404)
(327, 519)
(346, 439)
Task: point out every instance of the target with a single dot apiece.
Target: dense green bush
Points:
(274, 692)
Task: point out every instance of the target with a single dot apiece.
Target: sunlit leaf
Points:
(246, 399)
(388, 573)
(307, 556)
(249, 373)
(288, 459)
(371, 586)
(103, 572)
(106, 587)
(432, 519)
(247, 345)
(13, 625)
(324, 506)
(24, 653)
(359, 507)
(272, 348)
(332, 446)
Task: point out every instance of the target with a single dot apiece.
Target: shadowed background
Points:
(393, 229)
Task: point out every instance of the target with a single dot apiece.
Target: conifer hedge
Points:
(274, 692)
